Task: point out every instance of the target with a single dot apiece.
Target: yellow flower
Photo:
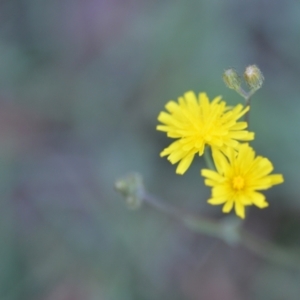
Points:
(196, 123)
(238, 177)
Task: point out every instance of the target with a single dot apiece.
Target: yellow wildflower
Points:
(197, 122)
(238, 177)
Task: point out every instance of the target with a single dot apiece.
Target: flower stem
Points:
(247, 115)
(247, 97)
(270, 251)
(208, 159)
(229, 232)
(228, 229)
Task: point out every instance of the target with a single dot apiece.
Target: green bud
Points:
(253, 77)
(232, 79)
(132, 188)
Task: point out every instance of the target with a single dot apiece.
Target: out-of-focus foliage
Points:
(81, 85)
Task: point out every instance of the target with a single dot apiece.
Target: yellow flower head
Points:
(196, 122)
(238, 177)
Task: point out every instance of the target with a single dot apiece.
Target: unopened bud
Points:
(253, 77)
(132, 188)
(232, 79)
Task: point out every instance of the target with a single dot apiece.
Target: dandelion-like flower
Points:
(238, 177)
(196, 123)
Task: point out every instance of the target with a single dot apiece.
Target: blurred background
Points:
(81, 86)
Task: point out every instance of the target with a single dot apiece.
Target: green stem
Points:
(228, 229)
(247, 115)
(229, 232)
(270, 251)
(242, 92)
(208, 159)
(247, 96)
(204, 225)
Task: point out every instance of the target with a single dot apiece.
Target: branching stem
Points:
(229, 232)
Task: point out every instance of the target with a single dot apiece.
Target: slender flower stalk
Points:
(208, 159)
(238, 177)
(196, 122)
(226, 229)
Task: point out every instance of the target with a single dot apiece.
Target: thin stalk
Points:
(242, 92)
(228, 230)
(204, 225)
(270, 251)
(247, 115)
(208, 159)
(247, 97)
(234, 236)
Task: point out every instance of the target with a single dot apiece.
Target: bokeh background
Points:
(81, 85)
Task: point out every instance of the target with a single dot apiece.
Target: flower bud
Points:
(132, 188)
(232, 79)
(253, 77)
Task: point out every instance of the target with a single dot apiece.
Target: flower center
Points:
(238, 183)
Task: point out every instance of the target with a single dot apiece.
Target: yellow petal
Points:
(216, 201)
(216, 100)
(239, 126)
(163, 128)
(240, 209)
(238, 112)
(184, 164)
(210, 182)
(165, 118)
(172, 106)
(228, 206)
(259, 200)
(210, 174)
(220, 161)
(221, 191)
(276, 179)
(191, 99)
(261, 167)
(242, 135)
(177, 155)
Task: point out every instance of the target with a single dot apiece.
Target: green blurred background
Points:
(81, 85)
